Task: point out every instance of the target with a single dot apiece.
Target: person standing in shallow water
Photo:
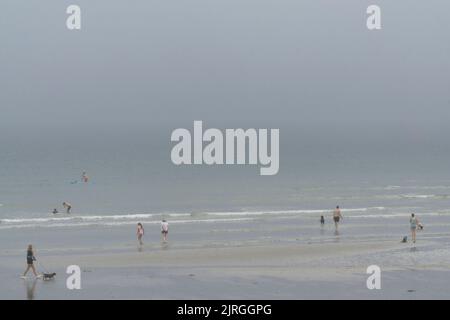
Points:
(337, 216)
(164, 229)
(30, 259)
(413, 222)
(67, 206)
(140, 233)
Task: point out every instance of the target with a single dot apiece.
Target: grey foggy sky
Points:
(309, 63)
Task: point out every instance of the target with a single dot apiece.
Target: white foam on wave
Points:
(403, 215)
(155, 217)
(392, 187)
(93, 218)
(411, 196)
(116, 223)
(437, 187)
(301, 211)
(37, 220)
(424, 196)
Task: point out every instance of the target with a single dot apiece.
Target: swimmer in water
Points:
(85, 177)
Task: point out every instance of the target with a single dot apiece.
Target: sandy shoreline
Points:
(279, 271)
(256, 256)
(260, 263)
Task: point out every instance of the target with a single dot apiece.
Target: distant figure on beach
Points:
(413, 222)
(164, 229)
(55, 211)
(337, 216)
(140, 233)
(322, 221)
(67, 206)
(85, 177)
(30, 259)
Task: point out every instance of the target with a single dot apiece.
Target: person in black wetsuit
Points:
(30, 260)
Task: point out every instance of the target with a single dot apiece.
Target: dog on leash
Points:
(48, 276)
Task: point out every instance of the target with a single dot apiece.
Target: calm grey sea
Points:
(132, 178)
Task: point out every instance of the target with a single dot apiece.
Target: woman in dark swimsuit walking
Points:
(30, 260)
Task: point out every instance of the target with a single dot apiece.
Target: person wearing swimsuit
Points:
(67, 206)
(164, 229)
(413, 222)
(337, 216)
(140, 233)
(30, 260)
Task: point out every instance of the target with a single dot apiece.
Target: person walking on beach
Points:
(322, 221)
(413, 222)
(164, 229)
(140, 233)
(337, 216)
(30, 259)
(67, 206)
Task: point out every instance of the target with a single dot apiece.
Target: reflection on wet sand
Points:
(30, 287)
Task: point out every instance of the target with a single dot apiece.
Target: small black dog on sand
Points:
(48, 276)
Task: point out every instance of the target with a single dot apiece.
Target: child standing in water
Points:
(140, 233)
(164, 229)
(30, 260)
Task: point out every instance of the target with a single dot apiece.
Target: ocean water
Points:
(133, 179)
(376, 183)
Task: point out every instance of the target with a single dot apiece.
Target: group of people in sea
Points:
(66, 205)
(337, 217)
(413, 222)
